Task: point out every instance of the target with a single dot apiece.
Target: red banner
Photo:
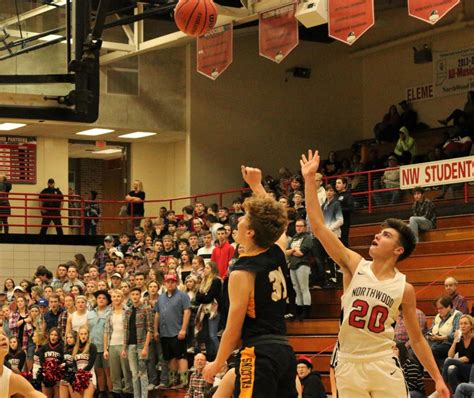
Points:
(278, 32)
(348, 20)
(430, 11)
(215, 51)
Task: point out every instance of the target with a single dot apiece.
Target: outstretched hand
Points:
(251, 175)
(310, 164)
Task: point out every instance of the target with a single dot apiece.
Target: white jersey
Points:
(5, 383)
(370, 308)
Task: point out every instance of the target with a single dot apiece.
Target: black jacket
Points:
(313, 386)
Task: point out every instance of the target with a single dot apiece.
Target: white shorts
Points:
(377, 378)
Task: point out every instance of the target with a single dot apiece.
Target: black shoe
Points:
(289, 317)
(299, 316)
(307, 311)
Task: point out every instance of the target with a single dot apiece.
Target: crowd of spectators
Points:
(450, 339)
(397, 127)
(143, 308)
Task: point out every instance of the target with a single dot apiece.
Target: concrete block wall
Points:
(19, 261)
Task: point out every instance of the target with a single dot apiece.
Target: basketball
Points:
(195, 17)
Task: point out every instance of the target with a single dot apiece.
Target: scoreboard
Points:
(18, 159)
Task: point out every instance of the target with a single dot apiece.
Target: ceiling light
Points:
(107, 151)
(137, 134)
(95, 131)
(11, 126)
(50, 38)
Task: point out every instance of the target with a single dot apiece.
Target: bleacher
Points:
(448, 250)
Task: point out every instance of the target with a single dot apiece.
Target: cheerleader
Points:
(39, 341)
(16, 357)
(85, 354)
(65, 389)
(51, 352)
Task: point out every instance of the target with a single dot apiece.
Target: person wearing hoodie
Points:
(298, 255)
(308, 382)
(406, 147)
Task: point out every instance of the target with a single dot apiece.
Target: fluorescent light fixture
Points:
(137, 134)
(107, 151)
(50, 38)
(95, 131)
(11, 126)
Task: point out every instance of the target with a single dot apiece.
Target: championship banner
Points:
(430, 11)
(441, 172)
(278, 32)
(453, 72)
(348, 20)
(215, 51)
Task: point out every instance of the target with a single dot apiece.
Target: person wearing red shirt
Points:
(222, 253)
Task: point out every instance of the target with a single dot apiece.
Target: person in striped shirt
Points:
(412, 369)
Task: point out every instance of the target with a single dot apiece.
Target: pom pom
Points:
(27, 375)
(52, 372)
(36, 383)
(70, 373)
(82, 380)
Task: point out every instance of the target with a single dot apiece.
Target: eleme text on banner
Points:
(441, 172)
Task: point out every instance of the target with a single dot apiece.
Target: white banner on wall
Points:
(453, 72)
(437, 173)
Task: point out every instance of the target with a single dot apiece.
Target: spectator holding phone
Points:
(441, 334)
(457, 370)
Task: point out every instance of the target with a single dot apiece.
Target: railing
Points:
(27, 208)
(370, 194)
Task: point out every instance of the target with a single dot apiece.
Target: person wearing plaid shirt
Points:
(197, 385)
(401, 333)
(459, 302)
(20, 323)
(138, 329)
(424, 213)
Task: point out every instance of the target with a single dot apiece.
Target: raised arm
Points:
(253, 177)
(240, 283)
(343, 256)
(418, 342)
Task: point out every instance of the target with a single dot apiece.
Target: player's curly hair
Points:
(267, 218)
(407, 238)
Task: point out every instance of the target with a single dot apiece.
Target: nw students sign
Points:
(441, 172)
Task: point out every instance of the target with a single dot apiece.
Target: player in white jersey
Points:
(366, 367)
(12, 383)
